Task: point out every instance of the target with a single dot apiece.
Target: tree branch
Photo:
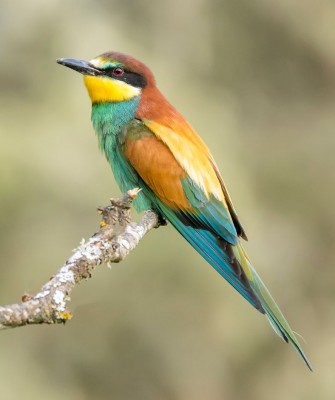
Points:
(49, 305)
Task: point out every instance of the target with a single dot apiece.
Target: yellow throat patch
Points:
(101, 89)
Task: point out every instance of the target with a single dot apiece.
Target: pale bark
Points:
(116, 238)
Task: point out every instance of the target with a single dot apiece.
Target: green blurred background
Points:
(257, 81)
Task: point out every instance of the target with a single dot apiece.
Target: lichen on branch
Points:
(117, 237)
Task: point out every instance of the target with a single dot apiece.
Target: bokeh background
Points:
(257, 80)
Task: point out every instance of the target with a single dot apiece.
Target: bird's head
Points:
(112, 76)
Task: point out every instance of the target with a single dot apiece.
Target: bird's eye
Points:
(118, 71)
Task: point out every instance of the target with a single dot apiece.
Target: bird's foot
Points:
(161, 220)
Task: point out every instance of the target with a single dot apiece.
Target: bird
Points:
(151, 146)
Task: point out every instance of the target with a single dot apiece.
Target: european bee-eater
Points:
(150, 145)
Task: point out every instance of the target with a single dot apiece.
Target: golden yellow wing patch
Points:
(191, 158)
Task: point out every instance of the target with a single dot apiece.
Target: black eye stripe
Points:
(132, 78)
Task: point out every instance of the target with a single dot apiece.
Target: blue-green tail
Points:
(275, 316)
(233, 264)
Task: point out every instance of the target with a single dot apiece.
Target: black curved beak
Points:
(81, 66)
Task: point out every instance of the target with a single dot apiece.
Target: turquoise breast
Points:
(110, 123)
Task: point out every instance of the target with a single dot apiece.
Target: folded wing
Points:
(182, 183)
